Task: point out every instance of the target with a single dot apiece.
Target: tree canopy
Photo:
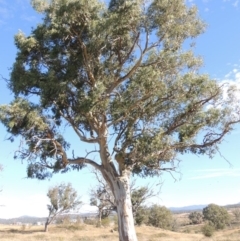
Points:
(101, 72)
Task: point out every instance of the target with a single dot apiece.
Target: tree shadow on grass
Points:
(18, 231)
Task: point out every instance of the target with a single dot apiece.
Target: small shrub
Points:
(208, 230)
(175, 225)
(90, 221)
(106, 222)
(160, 217)
(195, 217)
(74, 227)
(187, 230)
(24, 227)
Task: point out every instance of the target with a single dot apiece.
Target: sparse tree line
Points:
(215, 218)
(64, 198)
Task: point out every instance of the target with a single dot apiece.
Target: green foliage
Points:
(89, 64)
(139, 196)
(160, 216)
(208, 230)
(141, 216)
(195, 217)
(217, 216)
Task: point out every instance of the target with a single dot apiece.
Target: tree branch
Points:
(83, 160)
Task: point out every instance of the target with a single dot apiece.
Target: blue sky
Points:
(201, 180)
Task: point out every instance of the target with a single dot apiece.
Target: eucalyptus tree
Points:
(121, 76)
(63, 199)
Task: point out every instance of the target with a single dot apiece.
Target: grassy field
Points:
(83, 232)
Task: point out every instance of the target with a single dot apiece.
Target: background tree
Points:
(114, 72)
(139, 196)
(236, 214)
(195, 217)
(63, 199)
(217, 216)
(160, 216)
(102, 197)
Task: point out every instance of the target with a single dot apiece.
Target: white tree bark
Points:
(119, 183)
(121, 190)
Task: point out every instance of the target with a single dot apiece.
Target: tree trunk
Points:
(120, 186)
(122, 196)
(100, 217)
(46, 227)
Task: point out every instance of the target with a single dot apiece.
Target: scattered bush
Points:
(175, 225)
(90, 221)
(208, 230)
(24, 227)
(187, 230)
(195, 217)
(160, 217)
(217, 216)
(105, 222)
(142, 215)
(236, 214)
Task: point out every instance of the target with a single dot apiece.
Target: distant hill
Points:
(22, 219)
(32, 220)
(237, 205)
(198, 208)
(187, 208)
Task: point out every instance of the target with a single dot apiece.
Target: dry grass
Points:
(83, 232)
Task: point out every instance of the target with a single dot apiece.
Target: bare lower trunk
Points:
(120, 186)
(46, 227)
(100, 218)
(122, 195)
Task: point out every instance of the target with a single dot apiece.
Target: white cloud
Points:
(214, 173)
(235, 4)
(230, 85)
